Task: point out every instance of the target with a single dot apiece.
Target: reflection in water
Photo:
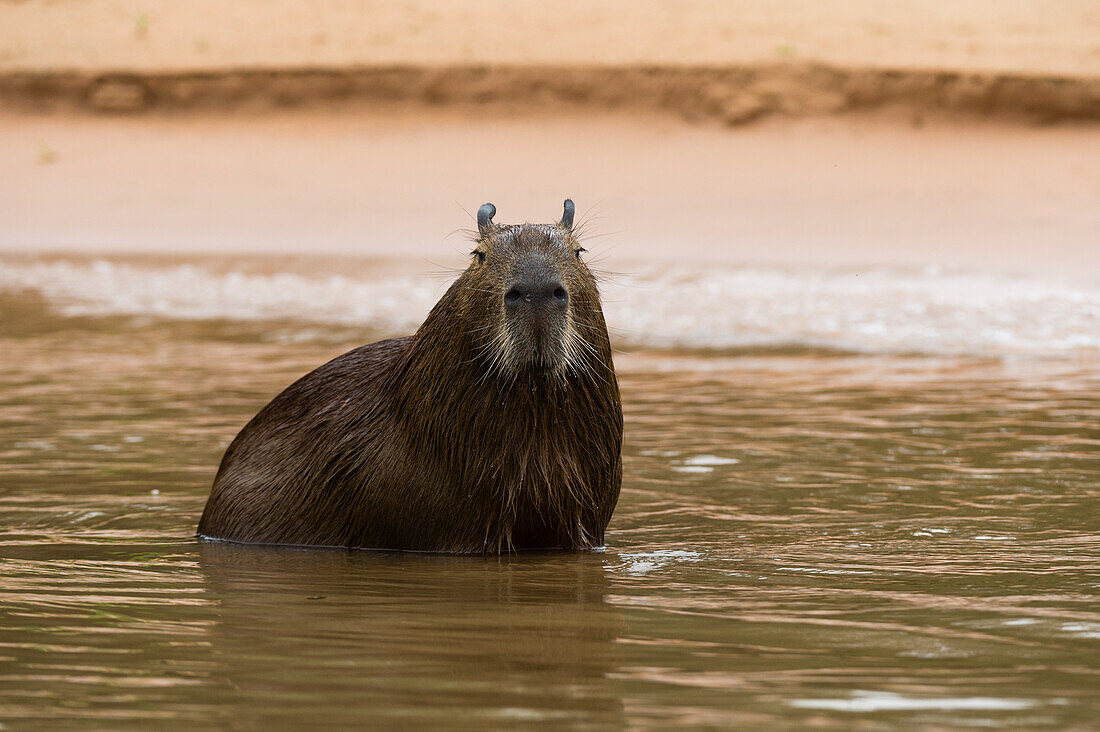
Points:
(413, 638)
(803, 538)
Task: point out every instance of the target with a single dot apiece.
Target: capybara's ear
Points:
(485, 216)
(567, 217)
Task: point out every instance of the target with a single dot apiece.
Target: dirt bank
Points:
(728, 95)
(729, 60)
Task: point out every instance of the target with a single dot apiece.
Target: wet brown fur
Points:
(447, 440)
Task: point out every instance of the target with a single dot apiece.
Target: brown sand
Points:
(860, 190)
(731, 96)
(731, 60)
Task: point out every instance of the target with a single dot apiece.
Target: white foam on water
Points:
(190, 292)
(644, 562)
(875, 310)
(1083, 630)
(815, 570)
(881, 701)
(710, 460)
(878, 310)
(692, 469)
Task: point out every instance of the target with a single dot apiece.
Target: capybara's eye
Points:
(578, 251)
(480, 256)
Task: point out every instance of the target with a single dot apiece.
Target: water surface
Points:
(807, 535)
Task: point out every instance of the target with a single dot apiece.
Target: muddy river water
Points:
(844, 524)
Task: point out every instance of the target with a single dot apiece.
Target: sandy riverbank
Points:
(880, 133)
(394, 181)
(735, 62)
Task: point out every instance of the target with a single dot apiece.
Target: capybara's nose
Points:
(536, 293)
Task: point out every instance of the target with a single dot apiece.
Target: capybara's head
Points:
(528, 300)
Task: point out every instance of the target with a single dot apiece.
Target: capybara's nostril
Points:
(536, 293)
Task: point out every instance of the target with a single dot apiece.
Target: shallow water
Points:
(805, 536)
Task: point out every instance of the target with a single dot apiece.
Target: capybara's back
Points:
(292, 475)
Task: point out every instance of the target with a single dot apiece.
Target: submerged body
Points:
(496, 427)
